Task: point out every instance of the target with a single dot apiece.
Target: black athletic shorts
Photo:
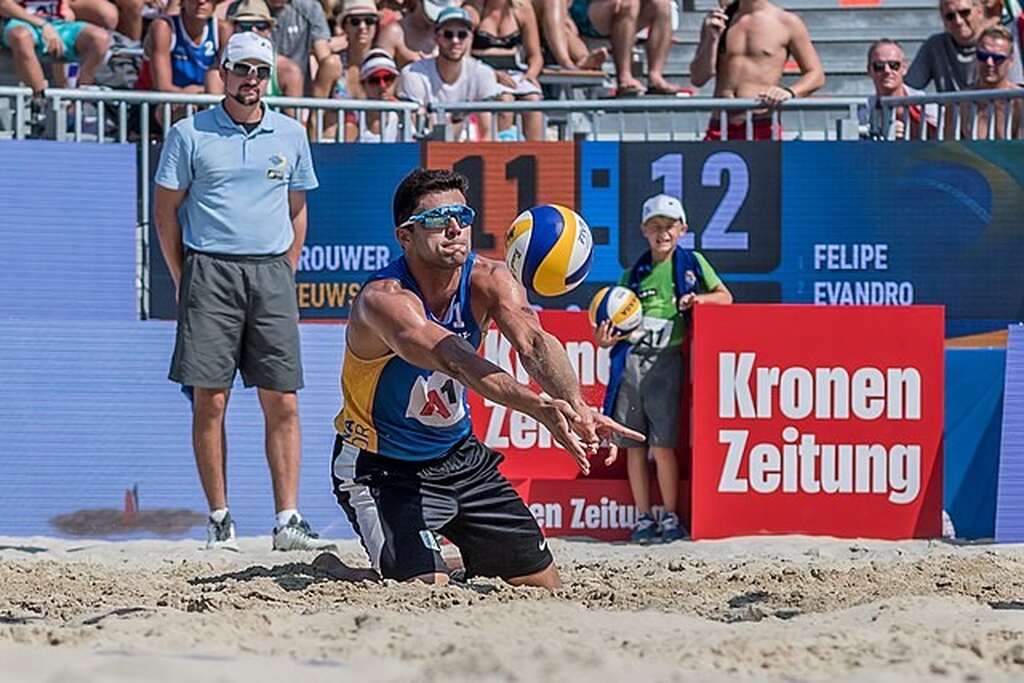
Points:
(461, 496)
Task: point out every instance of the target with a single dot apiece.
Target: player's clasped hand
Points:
(774, 96)
(603, 335)
(54, 45)
(688, 301)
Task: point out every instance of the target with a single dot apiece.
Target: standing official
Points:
(231, 215)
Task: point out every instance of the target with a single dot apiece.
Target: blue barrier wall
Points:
(67, 231)
(88, 412)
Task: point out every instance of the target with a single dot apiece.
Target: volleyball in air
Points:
(549, 249)
(620, 305)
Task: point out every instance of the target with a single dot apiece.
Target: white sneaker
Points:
(221, 534)
(297, 535)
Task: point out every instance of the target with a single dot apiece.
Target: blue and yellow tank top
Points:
(397, 409)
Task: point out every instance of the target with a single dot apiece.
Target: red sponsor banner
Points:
(564, 502)
(596, 508)
(529, 451)
(817, 420)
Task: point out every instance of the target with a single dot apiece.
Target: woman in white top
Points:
(378, 77)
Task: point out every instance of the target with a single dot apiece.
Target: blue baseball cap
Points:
(453, 14)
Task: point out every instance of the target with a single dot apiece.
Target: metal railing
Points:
(957, 115)
(834, 117)
(136, 111)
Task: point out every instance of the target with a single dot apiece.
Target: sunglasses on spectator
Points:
(453, 35)
(381, 80)
(437, 219)
(890, 64)
(243, 70)
(367, 21)
(964, 14)
(254, 25)
(996, 57)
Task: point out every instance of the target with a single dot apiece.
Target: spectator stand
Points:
(564, 85)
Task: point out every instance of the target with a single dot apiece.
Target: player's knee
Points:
(210, 404)
(330, 69)
(93, 40)
(21, 40)
(627, 8)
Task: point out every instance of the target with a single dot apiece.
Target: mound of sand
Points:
(743, 609)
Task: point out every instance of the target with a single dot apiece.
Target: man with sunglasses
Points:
(406, 465)
(887, 65)
(1001, 120)
(947, 59)
(230, 209)
(453, 75)
(254, 15)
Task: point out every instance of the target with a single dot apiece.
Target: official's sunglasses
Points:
(243, 70)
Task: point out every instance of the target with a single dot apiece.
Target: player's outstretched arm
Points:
(397, 318)
(540, 352)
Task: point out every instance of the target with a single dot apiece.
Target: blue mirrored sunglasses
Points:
(437, 219)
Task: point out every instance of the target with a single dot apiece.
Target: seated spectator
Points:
(512, 25)
(358, 19)
(301, 34)
(1001, 119)
(619, 20)
(379, 76)
(999, 13)
(453, 75)
(744, 47)
(124, 16)
(947, 59)
(561, 39)
(254, 15)
(36, 29)
(886, 66)
(181, 51)
(412, 37)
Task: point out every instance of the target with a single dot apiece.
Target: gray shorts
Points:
(649, 398)
(237, 313)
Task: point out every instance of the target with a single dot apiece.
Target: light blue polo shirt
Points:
(237, 182)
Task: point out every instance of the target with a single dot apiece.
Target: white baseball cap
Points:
(248, 45)
(663, 205)
(432, 8)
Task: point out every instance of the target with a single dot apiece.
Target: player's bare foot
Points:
(332, 565)
(595, 60)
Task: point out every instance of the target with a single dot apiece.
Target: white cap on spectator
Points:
(377, 60)
(248, 46)
(432, 8)
(663, 205)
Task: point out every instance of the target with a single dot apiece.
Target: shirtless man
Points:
(412, 37)
(406, 465)
(745, 47)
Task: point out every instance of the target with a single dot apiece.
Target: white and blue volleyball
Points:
(549, 249)
(620, 305)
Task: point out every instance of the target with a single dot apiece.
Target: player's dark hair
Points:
(421, 182)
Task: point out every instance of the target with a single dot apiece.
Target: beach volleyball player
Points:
(406, 465)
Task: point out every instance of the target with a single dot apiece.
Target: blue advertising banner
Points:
(351, 227)
(842, 223)
(926, 223)
(350, 233)
(62, 263)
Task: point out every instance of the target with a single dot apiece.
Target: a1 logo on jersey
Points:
(436, 401)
